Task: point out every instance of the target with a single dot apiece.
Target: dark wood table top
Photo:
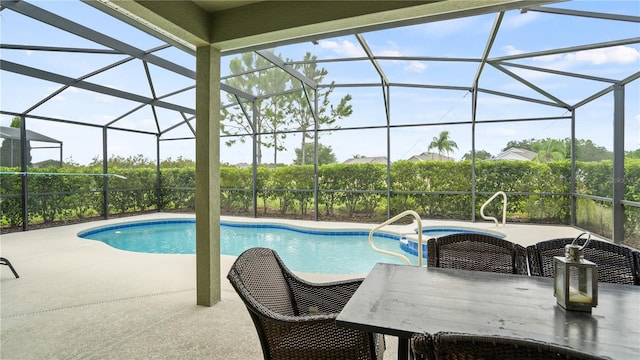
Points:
(401, 300)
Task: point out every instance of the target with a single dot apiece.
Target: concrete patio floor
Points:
(80, 299)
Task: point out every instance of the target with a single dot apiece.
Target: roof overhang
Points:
(238, 26)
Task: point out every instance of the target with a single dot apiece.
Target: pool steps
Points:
(392, 220)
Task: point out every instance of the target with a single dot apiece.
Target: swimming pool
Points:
(302, 249)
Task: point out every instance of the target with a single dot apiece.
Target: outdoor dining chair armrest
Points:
(329, 297)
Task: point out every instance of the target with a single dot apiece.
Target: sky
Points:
(427, 111)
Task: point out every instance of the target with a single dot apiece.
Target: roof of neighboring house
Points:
(367, 160)
(516, 154)
(429, 156)
(14, 134)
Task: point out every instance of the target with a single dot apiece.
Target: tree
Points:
(255, 75)
(520, 144)
(325, 154)
(301, 111)
(481, 155)
(586, 150)
(117, 161)
(10, 151)
(443, 143)
(550, 150)
(635, 154)
(180, 162)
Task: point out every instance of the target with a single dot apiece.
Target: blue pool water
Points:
(315, 251)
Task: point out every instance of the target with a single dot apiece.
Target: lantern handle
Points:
(585, 243)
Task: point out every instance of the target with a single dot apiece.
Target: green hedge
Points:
(177, 186)
(538, 192)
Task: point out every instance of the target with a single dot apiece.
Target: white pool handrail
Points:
(393, 219)
(504, 209)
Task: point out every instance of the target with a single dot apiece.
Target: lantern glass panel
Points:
(580, 284)
(559, 280)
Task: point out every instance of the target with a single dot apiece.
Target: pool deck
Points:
(79, 299)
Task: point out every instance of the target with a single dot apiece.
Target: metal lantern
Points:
(576, 279)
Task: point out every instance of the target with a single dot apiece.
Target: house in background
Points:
(516, 154)
(10, 150)
(429, 156)
(367, 160)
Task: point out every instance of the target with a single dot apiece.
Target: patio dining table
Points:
(401, 300)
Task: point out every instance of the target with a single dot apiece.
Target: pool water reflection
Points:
(302, 249)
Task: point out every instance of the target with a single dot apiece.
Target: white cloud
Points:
(139, 123)
(412, 66)
(446, 28)
(389, 53)
(347, 48)
(565, 62)
(530, 74)
(59, 97)
(512, 50)
(102, 98)
(101, 119)
(517, 20)
(550, 58)
(416, 66)
(343, 47)
(617, 54)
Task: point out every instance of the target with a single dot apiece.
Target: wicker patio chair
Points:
(295, 319)
(5, 261)
(636, 258)
(422, 347)
(455, 346)
(480, 252)
(616, 263)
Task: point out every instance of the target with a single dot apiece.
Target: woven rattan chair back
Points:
(262, 278)
(636, 260)
(295, 319)
(616, 263)
(455, 346)
(480, 252)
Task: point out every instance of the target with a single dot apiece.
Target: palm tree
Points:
(551, 150)
(443, 143)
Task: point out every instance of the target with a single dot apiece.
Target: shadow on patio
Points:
(79, 299)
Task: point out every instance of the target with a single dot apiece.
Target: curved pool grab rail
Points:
(394, 219)
(504, 209)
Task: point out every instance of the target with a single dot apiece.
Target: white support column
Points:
(207, 175)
